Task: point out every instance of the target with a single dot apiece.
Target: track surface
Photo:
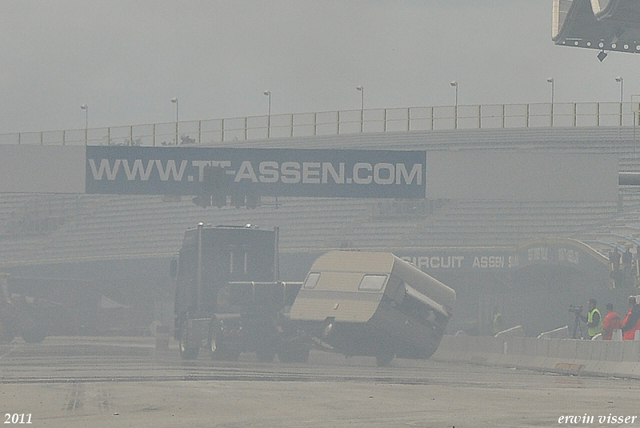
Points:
(126, 382)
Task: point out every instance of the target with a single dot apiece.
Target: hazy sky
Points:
(126, 59)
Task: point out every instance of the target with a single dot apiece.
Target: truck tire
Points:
(266, 344)
(187, 353)
(302, 356)
(231, 355)
(219, 350)
(294, 352)
(225, 355)
(265, 354)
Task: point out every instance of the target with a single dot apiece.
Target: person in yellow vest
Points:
(498, 325)
(593, 319)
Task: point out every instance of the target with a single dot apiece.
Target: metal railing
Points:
(214, 131)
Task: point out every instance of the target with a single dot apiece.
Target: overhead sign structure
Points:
(262, 172)
(605, 25)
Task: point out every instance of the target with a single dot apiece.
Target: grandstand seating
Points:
(54, 228)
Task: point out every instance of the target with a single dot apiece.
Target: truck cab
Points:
(228, 295)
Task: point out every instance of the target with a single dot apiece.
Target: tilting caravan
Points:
(361, 303)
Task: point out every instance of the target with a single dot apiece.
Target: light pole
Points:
(635, 108)
(361, 89)
(268, 94)
(620, 80)
(552, 81)
(454, 83)
(86, 122)
(175, 101)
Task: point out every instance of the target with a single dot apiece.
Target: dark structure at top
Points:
(605, 25)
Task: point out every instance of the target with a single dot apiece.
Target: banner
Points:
(261, 172)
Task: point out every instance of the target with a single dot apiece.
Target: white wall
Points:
(522, 175)
(42, 169)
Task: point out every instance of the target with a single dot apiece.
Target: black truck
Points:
(229, 299)
(228, 296)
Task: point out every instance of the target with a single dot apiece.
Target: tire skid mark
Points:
(75, 397)
(104, 400)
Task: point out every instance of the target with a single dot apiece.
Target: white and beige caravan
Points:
(363, 303)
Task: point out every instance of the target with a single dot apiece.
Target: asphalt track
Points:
(127, 382)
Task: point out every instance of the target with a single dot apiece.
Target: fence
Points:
(341, 122)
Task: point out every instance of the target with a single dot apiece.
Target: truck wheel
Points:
(265, 355)
(384, 358)
(294, 354)
(225, 355)
(213, 347)
(220, 351)
(186, 352)
(231, 355)
(302, 356)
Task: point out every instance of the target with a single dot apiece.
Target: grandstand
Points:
(48, 235)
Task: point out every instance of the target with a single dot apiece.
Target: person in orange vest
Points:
(631, 322)
(611, 322)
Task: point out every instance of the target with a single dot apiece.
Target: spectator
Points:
(632, 320)
(616, 273)
(498, 325)
(611, 322)
(593, 319)
(627, 267)
(627, 258)
(614, 258)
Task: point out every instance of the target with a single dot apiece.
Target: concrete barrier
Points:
(571, 356)
(558, 333)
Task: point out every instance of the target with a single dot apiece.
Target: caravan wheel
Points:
(384, 358)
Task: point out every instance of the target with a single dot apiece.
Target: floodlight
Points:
(602, 55)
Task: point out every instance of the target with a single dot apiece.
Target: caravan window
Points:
(311, 281)
(372, 282)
